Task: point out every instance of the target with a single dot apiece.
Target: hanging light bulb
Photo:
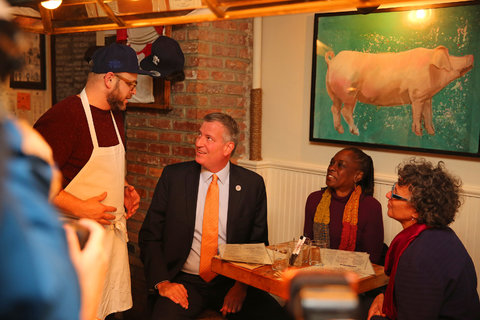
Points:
(51, 4)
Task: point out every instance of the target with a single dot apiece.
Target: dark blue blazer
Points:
(167, 232)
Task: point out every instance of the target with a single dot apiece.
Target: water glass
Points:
(280, 257)
(314, 256)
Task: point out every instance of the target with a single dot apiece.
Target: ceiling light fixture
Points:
(51, 4)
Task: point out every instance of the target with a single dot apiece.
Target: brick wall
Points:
(71, 68)
(218, 73)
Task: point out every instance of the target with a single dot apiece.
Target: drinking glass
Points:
(280, 256)
(314, 256)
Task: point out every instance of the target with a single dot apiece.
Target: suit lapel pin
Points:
(238, 187)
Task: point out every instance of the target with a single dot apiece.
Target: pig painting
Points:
(391, 79)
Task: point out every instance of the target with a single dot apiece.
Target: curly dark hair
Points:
(365, 164)
(435, 193)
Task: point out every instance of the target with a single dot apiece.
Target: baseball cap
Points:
(166, 58)
(116, 57)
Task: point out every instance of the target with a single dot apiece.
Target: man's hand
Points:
(91, 208)
(233, 301)
(376, 307)
(132, 200)
(94, 209)
(175, 292)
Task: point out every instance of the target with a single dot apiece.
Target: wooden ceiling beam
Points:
(108, 11)
(215, 8)
(46, 15)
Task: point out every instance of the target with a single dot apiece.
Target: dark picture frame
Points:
(366, 43)
(32, 75)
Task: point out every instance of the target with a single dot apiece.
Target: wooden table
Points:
(268, 280)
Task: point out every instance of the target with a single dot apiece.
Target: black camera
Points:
(319, 295)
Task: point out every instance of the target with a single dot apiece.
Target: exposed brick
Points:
(192, 34)
(224, 51)
(185, 126)
(136, 122)
(223, 76)
(204, 48)
(190, 138)
(234, 89)
(135, 168)
(185, 100)
(236, 65)
(135, 145)
(224, 101)
(178, 87)
(171, 136)
(148, 159)
(147, 182)
(208, 88)
(183, 151)
(155, 172)
(191, 61)
(179, 34)
(212, 36)
(244, 53)
(203, 75)
(143, 134)
(160, 123)
(226, 25)
(210, 62)
(190, 47)
(159, 148)
(236, 39)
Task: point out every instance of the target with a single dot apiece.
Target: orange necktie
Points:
(209, 231)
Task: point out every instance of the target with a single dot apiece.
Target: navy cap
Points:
(115, 58)
(167, 59)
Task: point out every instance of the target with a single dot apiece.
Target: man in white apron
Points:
(86, 134)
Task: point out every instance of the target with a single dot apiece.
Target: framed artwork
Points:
(401, 79)
(32, 75)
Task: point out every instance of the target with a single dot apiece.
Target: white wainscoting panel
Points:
(289, 184)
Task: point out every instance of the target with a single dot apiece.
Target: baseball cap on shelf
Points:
(116, 57)
(166, 58)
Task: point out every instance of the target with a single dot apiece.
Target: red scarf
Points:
(397, 247)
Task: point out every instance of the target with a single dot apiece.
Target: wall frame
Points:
(373, 67)
(32, 75)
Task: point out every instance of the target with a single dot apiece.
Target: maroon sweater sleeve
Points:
(65, 128)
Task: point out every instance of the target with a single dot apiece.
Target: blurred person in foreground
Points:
(176, 247)
(345, 214)
(38, 280)
(431, 273)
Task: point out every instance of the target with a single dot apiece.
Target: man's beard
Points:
(113, 100)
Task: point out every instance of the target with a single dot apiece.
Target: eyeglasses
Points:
(396, 196)
(131, 84)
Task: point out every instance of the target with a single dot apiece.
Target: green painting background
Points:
(456, 108)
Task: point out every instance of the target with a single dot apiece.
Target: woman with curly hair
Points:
(431, 273)
(345, 214)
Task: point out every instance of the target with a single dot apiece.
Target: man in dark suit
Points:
(171, 235)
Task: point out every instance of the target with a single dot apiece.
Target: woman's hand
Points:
(376, 307)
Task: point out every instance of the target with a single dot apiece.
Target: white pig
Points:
(391, 79)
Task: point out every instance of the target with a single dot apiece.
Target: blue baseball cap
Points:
(167, 59)
(115, 58)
